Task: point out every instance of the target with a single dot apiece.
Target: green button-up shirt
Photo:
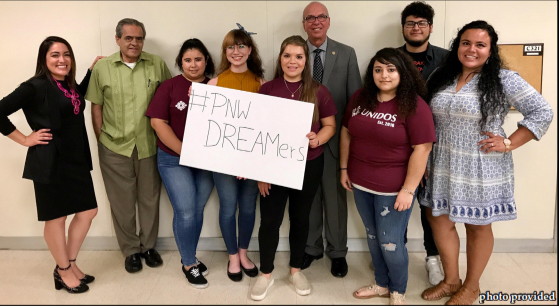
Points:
(125, 95)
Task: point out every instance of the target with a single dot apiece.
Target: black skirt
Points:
(72, 192)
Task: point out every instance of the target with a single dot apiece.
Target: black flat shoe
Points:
(59, 283)
(339, 267)
(236, 277)
(250, 272)
(87, 279)
(153, 259)
(133, 263)
(308, 259)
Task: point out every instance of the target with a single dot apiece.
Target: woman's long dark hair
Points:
(309, 87)
(237, 37)
(195, 43)
(411, 82)
(492, 95)
(42, 70)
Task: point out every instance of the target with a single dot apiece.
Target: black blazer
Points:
(41, 112)
(435, 58)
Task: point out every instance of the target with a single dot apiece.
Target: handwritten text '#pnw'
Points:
(220, 104)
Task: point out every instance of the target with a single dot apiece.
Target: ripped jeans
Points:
(385, 237)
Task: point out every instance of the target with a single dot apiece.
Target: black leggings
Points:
(272, 208)
(428, 240)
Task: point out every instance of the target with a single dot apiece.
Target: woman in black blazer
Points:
(58, 159)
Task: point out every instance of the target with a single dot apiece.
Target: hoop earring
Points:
(487, 61)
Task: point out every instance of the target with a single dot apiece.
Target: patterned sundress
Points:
(468, 185)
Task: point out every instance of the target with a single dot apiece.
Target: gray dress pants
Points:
(329, 212)
(129, 180)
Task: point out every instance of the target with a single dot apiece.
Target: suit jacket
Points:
(42, 112)
(342, 78)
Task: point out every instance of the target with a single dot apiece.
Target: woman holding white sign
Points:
(293, 80)
(188, 188)
(241, 69)
(387, 134)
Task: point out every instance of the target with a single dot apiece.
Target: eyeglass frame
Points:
(417, 22)
(236, 46)
(315, 18)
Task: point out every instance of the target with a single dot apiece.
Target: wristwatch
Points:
(507, 143)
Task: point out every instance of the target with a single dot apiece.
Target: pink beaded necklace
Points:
(74, 96)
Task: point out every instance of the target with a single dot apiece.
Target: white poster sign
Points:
(245, 134)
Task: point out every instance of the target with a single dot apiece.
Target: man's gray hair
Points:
(129, 21)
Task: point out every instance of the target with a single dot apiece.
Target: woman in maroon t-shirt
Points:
(293, 80)
(387, 134)
(188, 188)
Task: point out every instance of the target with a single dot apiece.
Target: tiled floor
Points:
(26, 278)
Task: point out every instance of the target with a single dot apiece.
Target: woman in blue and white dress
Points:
(470, 170)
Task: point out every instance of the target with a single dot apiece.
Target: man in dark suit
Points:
(417, 26)
(335, 66)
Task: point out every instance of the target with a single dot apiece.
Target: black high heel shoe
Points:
(87, 279)
(59, 283)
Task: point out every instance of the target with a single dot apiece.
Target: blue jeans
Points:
(385, 237)
(189, 190)
(232, 191)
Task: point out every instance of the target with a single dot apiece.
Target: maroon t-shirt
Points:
(170, 103)
(326, 108)
(381, 141)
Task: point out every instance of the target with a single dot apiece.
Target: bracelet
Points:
(343, 169)
(407, 191)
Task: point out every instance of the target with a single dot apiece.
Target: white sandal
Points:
(376, 290)
(397, 298)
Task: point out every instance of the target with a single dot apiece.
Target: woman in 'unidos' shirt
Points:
(387, 134)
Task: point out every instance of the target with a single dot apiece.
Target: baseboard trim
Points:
(217, 244)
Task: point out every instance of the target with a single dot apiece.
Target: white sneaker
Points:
(302, 286)
(435, 269)
(260, 288)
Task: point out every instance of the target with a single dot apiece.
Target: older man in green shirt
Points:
(120, 90)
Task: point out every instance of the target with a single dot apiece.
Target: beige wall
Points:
(365, 25)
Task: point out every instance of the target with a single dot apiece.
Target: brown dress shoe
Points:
(463, 297)
(440, 291)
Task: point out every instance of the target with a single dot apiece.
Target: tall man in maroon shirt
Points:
(329, 209)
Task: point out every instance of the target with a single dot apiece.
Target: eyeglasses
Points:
(312, 18)
(239, 46)
(421, 24)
